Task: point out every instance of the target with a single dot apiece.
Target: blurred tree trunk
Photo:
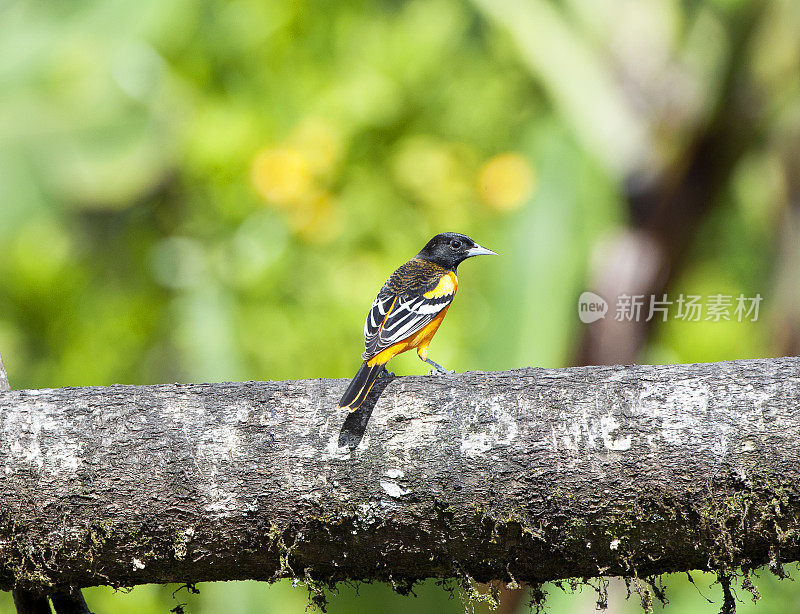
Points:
(667, 208)
(788, 238)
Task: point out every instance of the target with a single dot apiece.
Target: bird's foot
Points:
(437, 368)
(442, 372)
(386, 373)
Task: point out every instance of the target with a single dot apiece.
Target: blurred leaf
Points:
(579, 82)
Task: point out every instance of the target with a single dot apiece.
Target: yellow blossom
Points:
(282, 175)
(506, 181)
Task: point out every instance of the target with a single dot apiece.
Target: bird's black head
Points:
(448, 249)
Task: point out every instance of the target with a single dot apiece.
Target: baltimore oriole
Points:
(409, 309)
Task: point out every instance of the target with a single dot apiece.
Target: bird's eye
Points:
(455, 244)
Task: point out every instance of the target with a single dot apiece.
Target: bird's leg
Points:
(385, 373)
(437, 367)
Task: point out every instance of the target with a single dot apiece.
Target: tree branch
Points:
(28, 601)
(530, 475)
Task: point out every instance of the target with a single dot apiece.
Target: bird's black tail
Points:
(359, 388)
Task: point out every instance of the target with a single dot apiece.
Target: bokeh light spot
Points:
(282, 175)
(506, 181)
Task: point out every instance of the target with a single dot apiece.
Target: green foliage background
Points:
(206, 191)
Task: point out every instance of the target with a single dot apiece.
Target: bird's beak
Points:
(480, 251)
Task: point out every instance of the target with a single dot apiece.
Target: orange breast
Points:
(423, 338)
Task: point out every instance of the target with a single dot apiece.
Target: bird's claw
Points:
(443, 372)
(386, 373)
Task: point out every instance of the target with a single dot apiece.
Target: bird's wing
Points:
(394, 317)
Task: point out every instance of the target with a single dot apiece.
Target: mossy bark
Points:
(526, 475)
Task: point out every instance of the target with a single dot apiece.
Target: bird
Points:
(409, 309)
